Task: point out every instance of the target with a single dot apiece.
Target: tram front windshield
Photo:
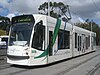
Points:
(20, 34)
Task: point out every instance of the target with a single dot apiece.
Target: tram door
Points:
(50, 43)
(79, 43)
(83, 43)
(92, 43)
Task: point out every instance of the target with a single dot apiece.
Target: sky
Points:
(80, 9)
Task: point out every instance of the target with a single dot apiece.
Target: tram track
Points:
(3, 62)
(94, 70)
(13, 70)
(13, 73)
(4, 66)
(2, 57)
(62, 72)
(66, 70)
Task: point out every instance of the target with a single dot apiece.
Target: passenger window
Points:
(38, 41)
(63, 39)
(75, 40)
(50, 43)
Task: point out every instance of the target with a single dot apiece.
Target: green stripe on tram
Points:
(58, 24)
(45, 53)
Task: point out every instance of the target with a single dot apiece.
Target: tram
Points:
(4, 41)
(39, 39)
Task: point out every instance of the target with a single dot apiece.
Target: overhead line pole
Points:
(48, 7)
(91, 25)
(91, 36)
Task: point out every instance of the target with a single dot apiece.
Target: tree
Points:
(54, 9)
(4, 24)
(2, 32)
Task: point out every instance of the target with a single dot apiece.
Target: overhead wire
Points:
(95, 5)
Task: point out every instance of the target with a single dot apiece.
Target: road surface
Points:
(84, 65)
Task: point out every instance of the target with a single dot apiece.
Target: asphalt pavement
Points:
(88, 64)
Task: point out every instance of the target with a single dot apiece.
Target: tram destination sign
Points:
(22, 18)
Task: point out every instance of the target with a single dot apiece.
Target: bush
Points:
(2, 32)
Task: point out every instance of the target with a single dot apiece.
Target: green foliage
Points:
(95, 28)
(4, 23)
(53, 9)
(2, 32)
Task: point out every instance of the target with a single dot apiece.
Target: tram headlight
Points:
(26, 51)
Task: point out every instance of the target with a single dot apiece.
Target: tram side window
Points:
(39, 37)
(94, 41)
(78, 43)
(63, 39)
(50, 43)
(86, 42)
(75, 40)
(4, 39)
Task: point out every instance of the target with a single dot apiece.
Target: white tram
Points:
(3, 41)
(40, 39)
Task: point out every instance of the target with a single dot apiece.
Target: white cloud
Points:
(77, 19)
(81, 8)
(97, 15)
(10, 15)
(24, 6)
(1, 10)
